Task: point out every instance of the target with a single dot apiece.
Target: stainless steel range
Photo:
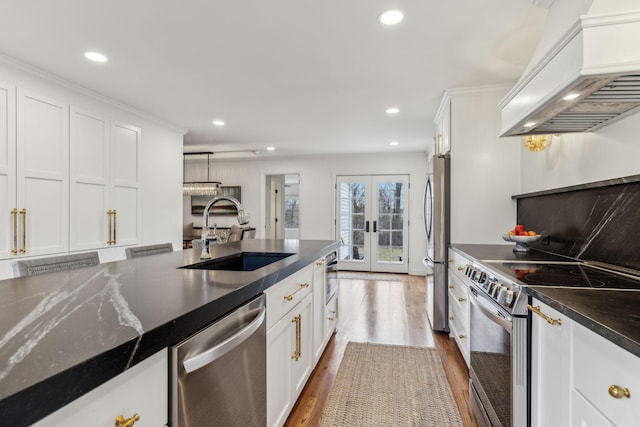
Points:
(499, 339)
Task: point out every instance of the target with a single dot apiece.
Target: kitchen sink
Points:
(243, 261)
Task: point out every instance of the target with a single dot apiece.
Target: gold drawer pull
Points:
(460, 336)
(462, 299)
(449, 260)
(126, 422)
(549, 320)
(460, 268)
(23, 249)
(14, 213)
(298, 352)
(290, 296)
(330, 318)
(451, 318)
(451, 286)
(619, 392)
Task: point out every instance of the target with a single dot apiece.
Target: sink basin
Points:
(243, 261)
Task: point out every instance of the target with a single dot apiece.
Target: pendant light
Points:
(193, 188)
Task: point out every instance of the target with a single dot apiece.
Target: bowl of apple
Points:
(521, 237)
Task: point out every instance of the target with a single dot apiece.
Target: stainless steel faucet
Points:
(242, 220)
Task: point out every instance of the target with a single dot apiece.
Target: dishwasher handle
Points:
(203, 359)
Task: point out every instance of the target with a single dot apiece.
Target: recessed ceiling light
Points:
(218, 123)
(392, 110)
(571, 96)
(394, 143)
(271, 148)
(530, 124)
(95, 56)
(391, 17)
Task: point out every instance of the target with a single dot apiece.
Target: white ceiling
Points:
(304, 76)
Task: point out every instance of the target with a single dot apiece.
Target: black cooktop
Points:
(568, 275)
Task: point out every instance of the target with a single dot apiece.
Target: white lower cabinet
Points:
(459, 314)
(140, 390)
(319, 292)
(578, 377)
(550, 368)
(289, 360)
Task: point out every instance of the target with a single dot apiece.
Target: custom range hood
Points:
(585, 72)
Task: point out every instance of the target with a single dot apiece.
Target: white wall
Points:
(161, 154)
(610, 152)
(485, 169)
(317, 179)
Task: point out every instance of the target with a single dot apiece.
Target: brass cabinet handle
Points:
(333, 312)
(14, 214)
(537, 311)
(462, 299)
(23, 249)
(109, 214)
(449, 260)
(330, 318)
(451, 286)
(298, 352)
(302, 286)
(619, 392)
(451, 318)
(460, 336)
(115, 227)
(460, 268)
(126, 422)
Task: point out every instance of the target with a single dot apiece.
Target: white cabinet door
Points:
(125, 183)
(280, 348)
(8, 237)
(89, 179)
(142, 390)
(584, 414)
(43, 173)
(301, 367)
(550, 368)
(319, 292)
(331, 317)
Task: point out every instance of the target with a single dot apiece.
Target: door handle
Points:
(203, 359)
(23, 212)
(14, 214)
(375, 226)
(366, 226)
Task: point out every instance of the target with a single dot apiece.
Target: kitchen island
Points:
(64, 334)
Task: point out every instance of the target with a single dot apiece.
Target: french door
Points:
(372, 221)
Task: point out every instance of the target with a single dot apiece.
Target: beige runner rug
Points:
(385, 385)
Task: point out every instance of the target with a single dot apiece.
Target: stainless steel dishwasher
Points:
(218, 376)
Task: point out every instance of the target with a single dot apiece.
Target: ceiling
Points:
(306, 77)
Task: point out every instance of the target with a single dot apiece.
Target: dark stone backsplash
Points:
(598, 223)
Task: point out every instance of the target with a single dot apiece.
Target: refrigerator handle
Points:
(366, 226)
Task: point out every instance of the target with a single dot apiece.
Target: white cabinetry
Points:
(443, 124)
(105, 182)
(289, 343)
(578, 377)
(142, 390)
(458, 296)
(42, 184)
(319, 308)
(550, 368)
(8, 236)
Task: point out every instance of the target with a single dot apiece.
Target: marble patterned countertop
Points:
(63, 334)
(613, 314)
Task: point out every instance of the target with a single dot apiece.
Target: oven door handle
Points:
(489, 311)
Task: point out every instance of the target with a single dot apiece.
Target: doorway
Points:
(372, 222)
(282, 206)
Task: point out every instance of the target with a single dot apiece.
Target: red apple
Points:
(519, 228)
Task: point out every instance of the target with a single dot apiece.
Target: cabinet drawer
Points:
(599, 364)
(284, 295)
(458, 291)
(331, 316)
(457, 264)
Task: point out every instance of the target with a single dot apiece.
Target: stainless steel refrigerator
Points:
(436, 217)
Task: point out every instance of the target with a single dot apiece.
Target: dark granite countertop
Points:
(63, 334)
(613, 314)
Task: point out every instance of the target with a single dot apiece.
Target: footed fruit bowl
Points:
(521, 241)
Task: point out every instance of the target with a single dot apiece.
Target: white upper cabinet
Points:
(8, 236)
(42, 196)
(443, 124)
(105, 182)
(125, 183)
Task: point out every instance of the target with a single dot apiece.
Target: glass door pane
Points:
(352, 222)
(390, 224)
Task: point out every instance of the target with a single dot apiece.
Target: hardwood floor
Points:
(384, 312)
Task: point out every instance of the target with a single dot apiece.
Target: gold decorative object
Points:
(298, 352)
(126, 422)
(302, 286)
(537, 142)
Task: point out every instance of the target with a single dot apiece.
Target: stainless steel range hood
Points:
(585, 72)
